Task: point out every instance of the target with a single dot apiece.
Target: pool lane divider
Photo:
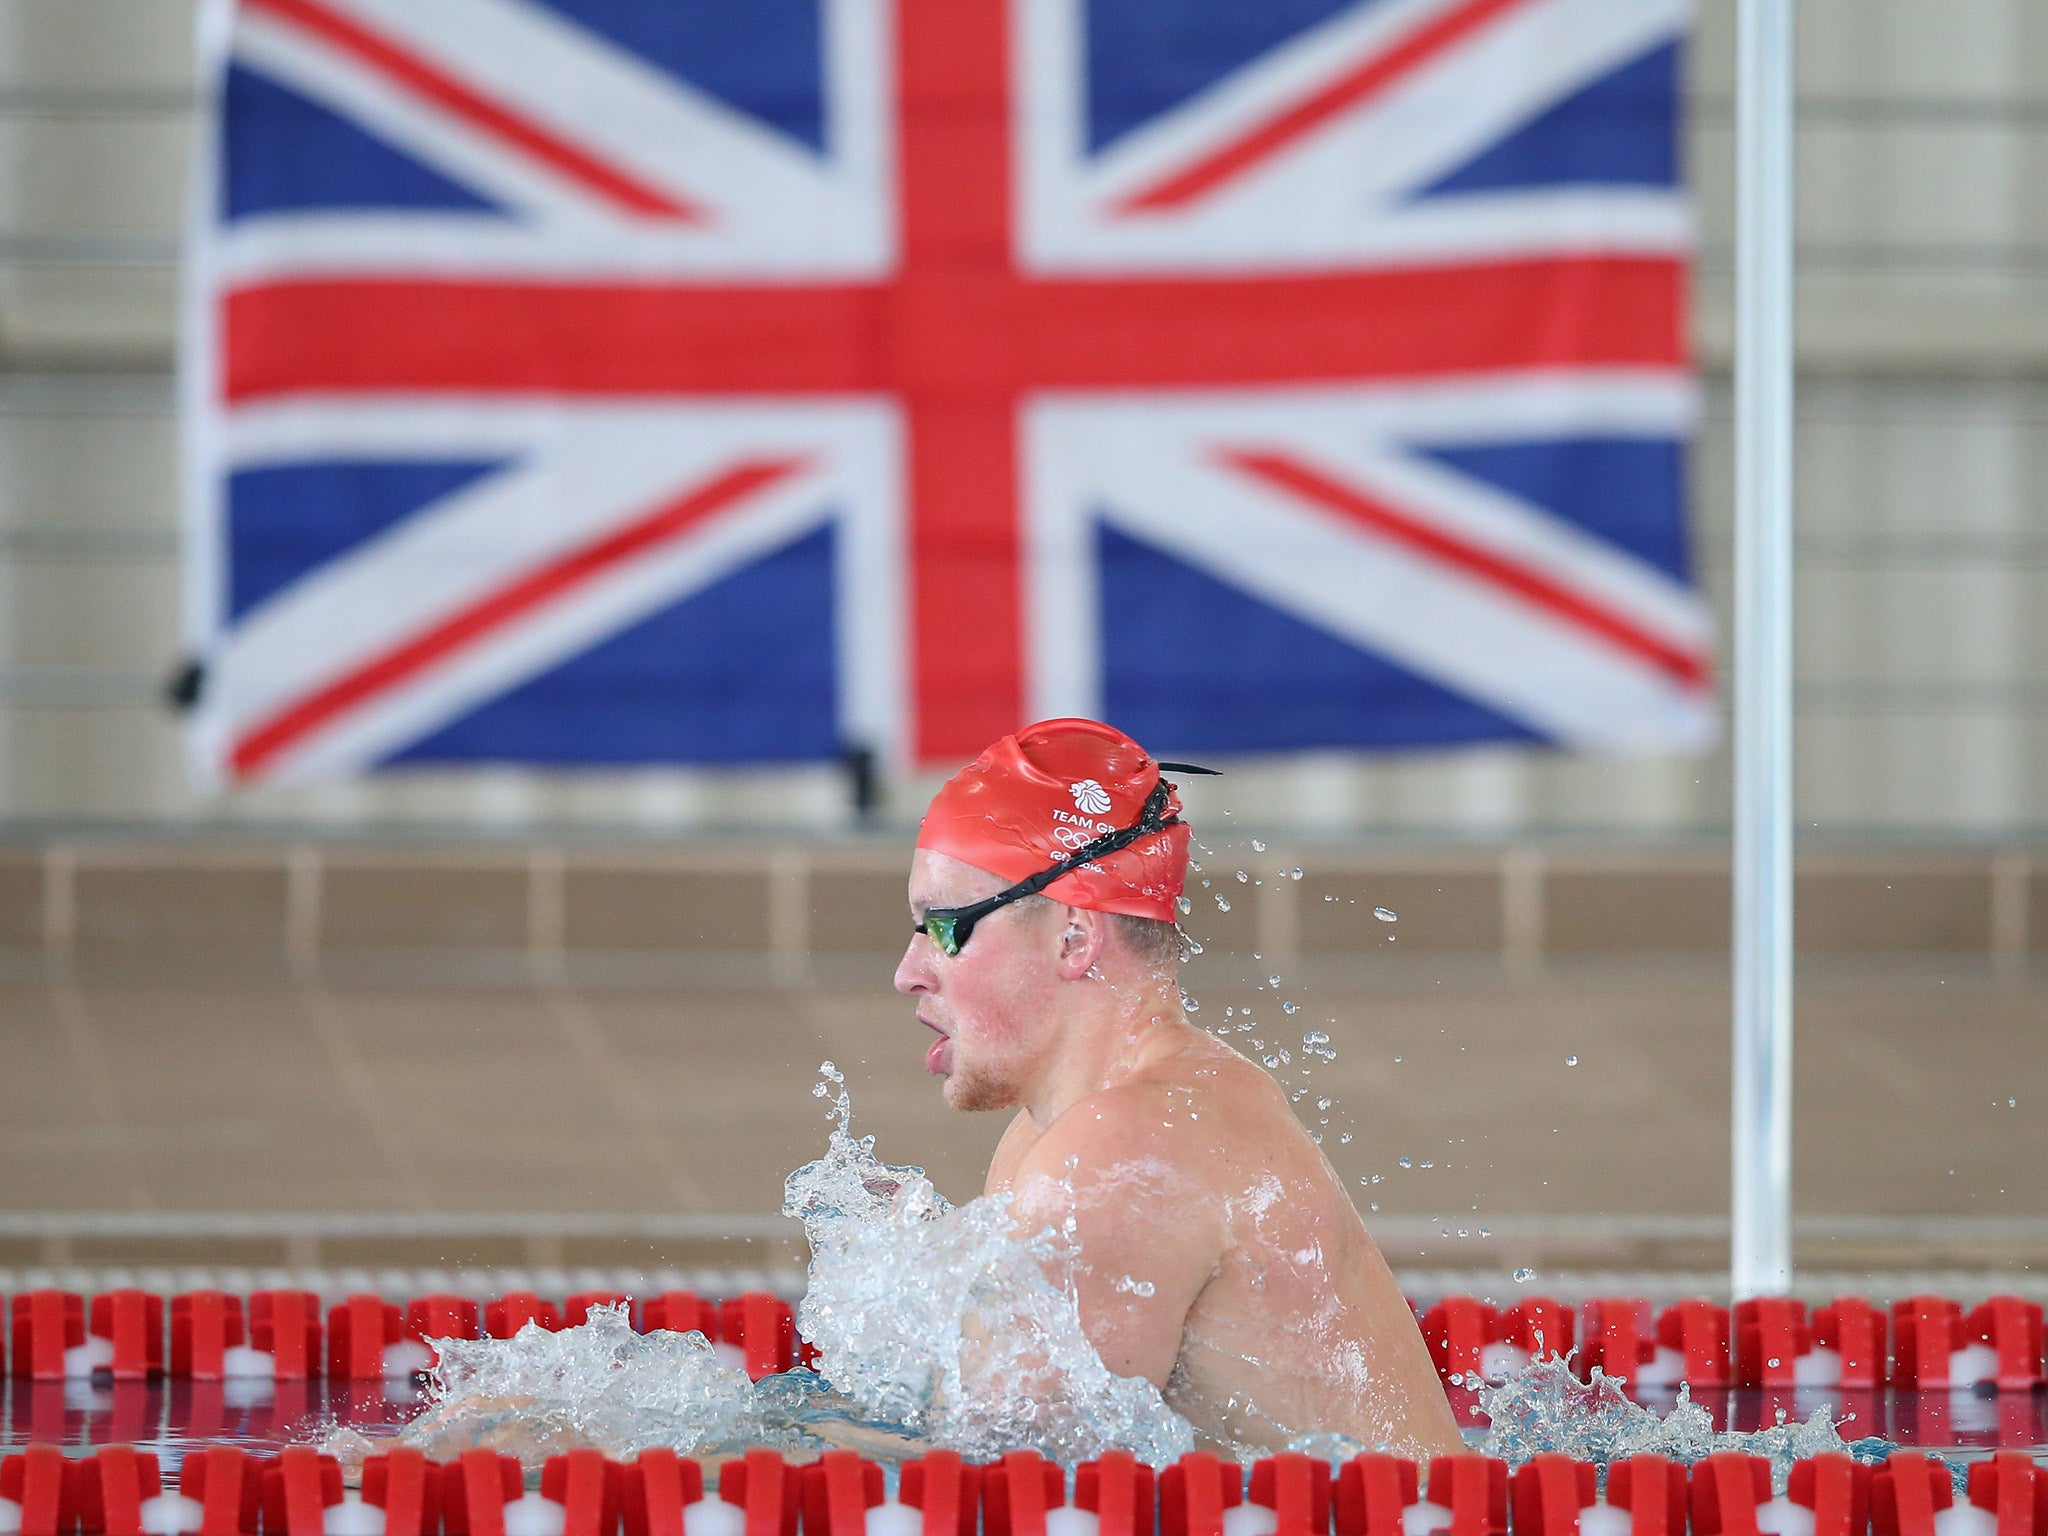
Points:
(130, 1335)
(938, 1494)
(400, 1495)
(1772, 1343)
(121, 1493)
(225, 1491)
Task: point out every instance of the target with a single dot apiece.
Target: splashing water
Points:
(937, 1325)
(941, 1319)
(599, 1384)
(1544, 1407)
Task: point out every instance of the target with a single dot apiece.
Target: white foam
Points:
(10, 1518)
(712, 1516)
(1497, 1362)
(532, 1515)
(1781, 1517)
(1972, 1365)
(171, 1514)
(1422, 1517)
(1249, 1519)
(408, 1357)
(1965, 1519)
(239, 1361)
(1820, 1366)
(1606, 1520)
(1065, 1520)
(1666, 1368)
(353, 1516)
(893, 1519)
(95, 1354)
(733, 1355)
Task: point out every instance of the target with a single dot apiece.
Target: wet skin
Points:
(1212, 1248)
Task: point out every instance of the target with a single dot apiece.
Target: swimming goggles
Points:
(950, 927)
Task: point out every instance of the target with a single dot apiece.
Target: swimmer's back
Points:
(1244, 1282)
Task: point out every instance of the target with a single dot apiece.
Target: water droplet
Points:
(1456, 1378)
(1183, 905)
(1344, 1139)
(1294, 873)
(1571, 1061)
(1524, 1276)
(1324, 1103)
(1242, 877)
(1386, 916)
(1375, 1205)
(1272, 1061)
(1273, 980)
(1257, 846)
(1222, 905)
(2012, 1103)
(1290, 1007)
(1406, 1162)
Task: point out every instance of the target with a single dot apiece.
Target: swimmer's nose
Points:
(913, 971)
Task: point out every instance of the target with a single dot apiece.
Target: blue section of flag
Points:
(285, 154)
(1621, 130)
(742, 671)
(1192, 664)
(286, 519)
(1145, 58)
(761, 57)
(1628, 491)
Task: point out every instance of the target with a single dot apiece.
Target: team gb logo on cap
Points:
(1090, 797)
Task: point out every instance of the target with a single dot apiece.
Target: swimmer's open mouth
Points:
(939, 1059)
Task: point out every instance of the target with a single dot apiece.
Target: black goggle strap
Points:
(957, 923)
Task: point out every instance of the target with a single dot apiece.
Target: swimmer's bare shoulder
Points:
(1118, 1177)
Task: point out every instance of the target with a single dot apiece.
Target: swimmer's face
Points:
(989, 1004)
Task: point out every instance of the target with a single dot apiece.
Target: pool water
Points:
(173, 1417)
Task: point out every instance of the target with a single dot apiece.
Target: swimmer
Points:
(1212, 1248)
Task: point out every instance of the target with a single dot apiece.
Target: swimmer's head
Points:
(1055, 859)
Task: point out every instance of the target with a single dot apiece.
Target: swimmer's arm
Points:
(1146, 1233)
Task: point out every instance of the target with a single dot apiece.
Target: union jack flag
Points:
(614, 381)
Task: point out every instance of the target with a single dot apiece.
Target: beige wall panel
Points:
(1963, 769)
(116, 764)
(96, 45)
(1710, 58)
(1985, 50)
(1898, 183)
(97, 615)
(122, 317)
(120, 178)
(1958, 460)
(88, 469)
(812, 799)
(1911, 626)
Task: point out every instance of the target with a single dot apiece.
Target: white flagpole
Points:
(1760, 1248)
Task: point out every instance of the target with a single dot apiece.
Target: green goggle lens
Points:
(939, 929)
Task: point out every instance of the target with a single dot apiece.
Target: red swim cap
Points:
(1033, 798)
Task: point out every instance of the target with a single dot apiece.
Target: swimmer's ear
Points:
(1081, 943)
